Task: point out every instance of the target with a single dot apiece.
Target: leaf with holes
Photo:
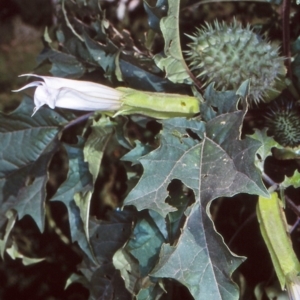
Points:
(213, 162)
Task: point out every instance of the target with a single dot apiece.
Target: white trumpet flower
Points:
(73, 94)
(293, 287)
(90, 96)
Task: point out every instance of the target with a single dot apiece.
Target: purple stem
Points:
(285, 11)
(78, 120)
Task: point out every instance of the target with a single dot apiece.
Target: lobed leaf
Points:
(27, 146)
(106, 283)
(217, 103)
(105, 59)
(107, 237)
(200, 260)
(173, 62)
(292, 181)
(155, 13)
(78, 183)
(63, 64)
(96, 143)
(213, 162)
(267, 143)
(145, 243)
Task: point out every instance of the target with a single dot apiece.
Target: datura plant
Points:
(143, 159)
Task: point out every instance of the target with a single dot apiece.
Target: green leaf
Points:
(200, 260)
(223, 135)
(145, 243)
(96, 143)
(75, 278)
(150, 292)
(217, 103)
(181, 201)
(129, 269)
(291, 181)
(107, 237)
(102, 55)
(267, 143)
(27, 146)
(136, 73)
(11, 216)
(151, 191)
(83, 202)
(213, 163)
(142, 287)
(270, 147)
(160, 223)
(173, 62)
(14, 253)
(79, 180)
(106, 283)
(138, 151)
(220, 164)
(155, 13)
(63, 65)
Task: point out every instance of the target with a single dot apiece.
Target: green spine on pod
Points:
(229, 54)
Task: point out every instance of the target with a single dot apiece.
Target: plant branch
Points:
(78, 120)
(194, 5)
(195, 80)
(288, 200)
(292, 206)
(285, 12)
(251, 218)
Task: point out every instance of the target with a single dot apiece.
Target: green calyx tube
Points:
(157, 105)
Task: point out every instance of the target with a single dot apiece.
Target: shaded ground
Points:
(21, 26)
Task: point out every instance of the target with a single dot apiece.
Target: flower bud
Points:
(293, 287)
(90, 96)
(73, 94)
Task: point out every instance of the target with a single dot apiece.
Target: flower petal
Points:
(74, 94)
(91, 88)
(31, 84)
(45, 95)
(73, 99)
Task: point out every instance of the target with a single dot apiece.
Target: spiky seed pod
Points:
(283, 122)
(229, 54)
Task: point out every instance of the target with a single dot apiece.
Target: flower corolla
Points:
(293, 287)
(73, 94)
